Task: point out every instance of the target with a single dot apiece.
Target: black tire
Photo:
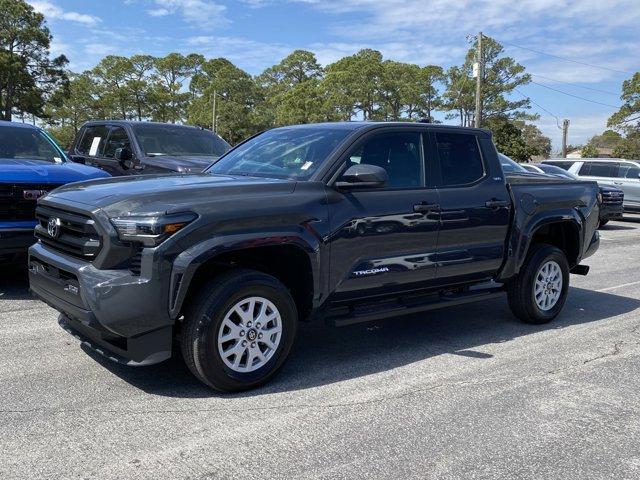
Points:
(520, 291)
(603, 223)
(205, 314)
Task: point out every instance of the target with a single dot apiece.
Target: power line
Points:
(565, 58)
(540, 107)
(575, 96)
(576, 85)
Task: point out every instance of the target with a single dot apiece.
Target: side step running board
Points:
(371, 312)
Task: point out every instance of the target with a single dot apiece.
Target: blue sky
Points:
(255, 34)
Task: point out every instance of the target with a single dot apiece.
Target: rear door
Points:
(475, 207)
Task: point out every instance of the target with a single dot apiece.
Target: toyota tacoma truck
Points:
(346, 222)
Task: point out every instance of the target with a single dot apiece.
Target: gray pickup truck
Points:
(345, 222)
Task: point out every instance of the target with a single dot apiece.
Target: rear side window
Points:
(117, 139)
(93, 141)
(460, 159)
(599, 169)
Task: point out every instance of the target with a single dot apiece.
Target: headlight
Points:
(151, 231)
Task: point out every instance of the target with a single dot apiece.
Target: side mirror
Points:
(77, 158)
(123, 154)
(363, 176)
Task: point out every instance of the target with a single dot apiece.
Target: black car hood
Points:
(180, 164)
(164, 193)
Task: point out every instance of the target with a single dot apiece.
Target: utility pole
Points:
(565, 132)
(213, 111)
(479, 71)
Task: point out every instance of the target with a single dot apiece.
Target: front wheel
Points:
(539, 292)
(239, 330)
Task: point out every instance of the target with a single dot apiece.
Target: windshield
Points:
(28, 144)
(177, 141)
(553, 170)
(294, 153)
(509, 166)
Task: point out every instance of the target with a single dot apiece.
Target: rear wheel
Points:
(239, 330)
(539, 292)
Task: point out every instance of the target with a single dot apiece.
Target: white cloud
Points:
(247, 54)
(203, 13)
(54, 12)
(581, 128)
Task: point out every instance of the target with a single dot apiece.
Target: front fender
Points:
(187, 263)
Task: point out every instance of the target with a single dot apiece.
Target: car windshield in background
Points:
(557, 171)
(28, 144)
(282, 153)
(176, 141)
(510, 166)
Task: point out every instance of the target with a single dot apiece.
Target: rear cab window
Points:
(460, 159)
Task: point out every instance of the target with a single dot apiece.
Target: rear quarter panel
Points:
(542, 201)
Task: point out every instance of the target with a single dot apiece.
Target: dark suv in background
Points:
(126, 147)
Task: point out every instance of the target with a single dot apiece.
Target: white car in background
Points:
(621, 173)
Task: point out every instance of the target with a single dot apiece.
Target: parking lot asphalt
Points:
(466, 392)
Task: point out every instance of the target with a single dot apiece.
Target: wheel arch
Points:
(292, 260)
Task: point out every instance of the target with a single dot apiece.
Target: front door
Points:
(384, 240)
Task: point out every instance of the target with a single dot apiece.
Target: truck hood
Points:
(18, 170)
(148, 194)
(180, 164)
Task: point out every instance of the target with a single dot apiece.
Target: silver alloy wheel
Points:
(249, 334)
(548, 285)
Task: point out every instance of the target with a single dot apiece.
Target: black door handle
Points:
(496, 203)
(424, 207)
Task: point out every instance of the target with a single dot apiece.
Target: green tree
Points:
(589, 151)
(239, 102)
(629, 147)
(629, 113)
(608, 139)
(115, 96)
(509, 139)
(501, 77)
(26, 71)
(168, 96)
(352, 84)
(70, 106)
(292, 89)
(534, 138)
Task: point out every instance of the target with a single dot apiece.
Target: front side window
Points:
(93, 141)
(460, 159)
(28, 144)
(177, 141)
(294, 153)
(398, 153)
(117, 139)
(629, 171)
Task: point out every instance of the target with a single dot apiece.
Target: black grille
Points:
(18, 201)
(135, 264)
(612, 198)
(77, 233)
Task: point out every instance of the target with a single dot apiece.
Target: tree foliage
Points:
(26, 71)
(509, 139)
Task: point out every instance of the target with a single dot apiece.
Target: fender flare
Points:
(522, 235)
(187, 263)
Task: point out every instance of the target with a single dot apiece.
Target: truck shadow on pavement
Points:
(325, 355)
(14, 283)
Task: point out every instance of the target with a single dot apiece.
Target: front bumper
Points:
(608, 211)
(15, 241)
(110, 310)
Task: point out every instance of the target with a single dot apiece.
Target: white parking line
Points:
(618, 286)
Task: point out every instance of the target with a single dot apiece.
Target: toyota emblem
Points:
(53, 227)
